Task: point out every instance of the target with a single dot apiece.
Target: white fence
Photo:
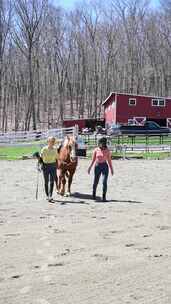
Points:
(28, 137)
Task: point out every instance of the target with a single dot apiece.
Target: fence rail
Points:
(140, 148)
(28, 137)
(127, 144)
(131, 139)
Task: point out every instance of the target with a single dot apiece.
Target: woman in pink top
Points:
(102, 159)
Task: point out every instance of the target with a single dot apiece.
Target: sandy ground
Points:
(80, 251)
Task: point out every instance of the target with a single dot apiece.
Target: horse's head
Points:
(71, 144)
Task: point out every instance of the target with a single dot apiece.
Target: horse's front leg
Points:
(63, 182)
(58, 182)
(70, 178)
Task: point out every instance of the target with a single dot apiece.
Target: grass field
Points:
(20, 152)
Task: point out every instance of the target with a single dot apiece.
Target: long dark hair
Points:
(102, 143)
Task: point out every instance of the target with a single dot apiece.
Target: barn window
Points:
(161, 103)
(132, 102)
(154, 102)
(158, 102)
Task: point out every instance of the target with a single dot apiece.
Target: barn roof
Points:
(136, 95)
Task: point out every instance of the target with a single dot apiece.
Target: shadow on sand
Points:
(71, 202)
(123, 201)
(84, 196)
(98, 200)
(65, 202)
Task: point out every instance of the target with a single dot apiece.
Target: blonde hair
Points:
(51, 139)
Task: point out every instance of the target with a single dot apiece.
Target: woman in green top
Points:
(49, 156)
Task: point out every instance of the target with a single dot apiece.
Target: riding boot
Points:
(94, 195)
(46, 190)
(51, 190)
(104, 197)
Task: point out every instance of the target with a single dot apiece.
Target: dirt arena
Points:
(80, 251)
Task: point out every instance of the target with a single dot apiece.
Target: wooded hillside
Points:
(56, 63)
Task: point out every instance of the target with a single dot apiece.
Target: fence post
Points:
(76, 130)
(124, 148)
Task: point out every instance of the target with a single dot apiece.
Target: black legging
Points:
(49, 172)
(101, 168)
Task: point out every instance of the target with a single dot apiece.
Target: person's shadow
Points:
(85, 196)
(124, 201)
(98, 199)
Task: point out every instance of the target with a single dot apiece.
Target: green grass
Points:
(143, 155)
(17, 152)
(156, 155)
(14, 153)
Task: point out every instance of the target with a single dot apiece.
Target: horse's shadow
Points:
(98, 199)
(64, 201)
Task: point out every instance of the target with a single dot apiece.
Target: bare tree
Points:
(29, 22)
(61, 64)
(5, 23)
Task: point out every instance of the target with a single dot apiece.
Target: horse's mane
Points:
(59, 148)
(69, 140)
(66, 141)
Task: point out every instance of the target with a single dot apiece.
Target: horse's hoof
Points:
(68, 194)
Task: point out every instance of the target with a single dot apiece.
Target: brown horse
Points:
(67, 164)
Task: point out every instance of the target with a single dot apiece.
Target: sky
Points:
(155, 2)
(69, 4)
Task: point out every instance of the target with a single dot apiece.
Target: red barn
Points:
(125, 108)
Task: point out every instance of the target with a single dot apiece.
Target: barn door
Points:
(139, 120)
(169, 122)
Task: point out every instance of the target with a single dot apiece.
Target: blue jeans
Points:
(49, 173)
(100, 168)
